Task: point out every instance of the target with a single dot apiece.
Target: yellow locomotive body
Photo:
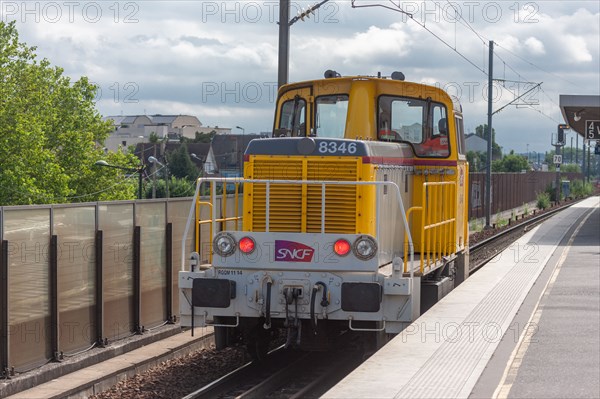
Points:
(324, 245)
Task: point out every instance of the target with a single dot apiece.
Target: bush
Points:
(579, 189)
(543, 200)
(551, 192)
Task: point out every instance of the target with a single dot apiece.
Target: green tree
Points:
(477, 161)
(570, 167)
(181, 165)
(154, 139)
(510, 163)
(50, 133)
(481, 131)
(177, 188)
(204, 137)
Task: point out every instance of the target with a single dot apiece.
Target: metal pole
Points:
(488, 174)
(589, 165)
(571, 152)
(583, 159)
(284, 42)
(168, 180)
(558, 173)
(139, 172)
(577, 148)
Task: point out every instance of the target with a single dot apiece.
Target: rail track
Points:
(485, 250)
(284, 374)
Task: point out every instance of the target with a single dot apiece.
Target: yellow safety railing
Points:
(194, 214)
(213, 219)
(438, 224)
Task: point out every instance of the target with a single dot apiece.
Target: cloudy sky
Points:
(217, 60)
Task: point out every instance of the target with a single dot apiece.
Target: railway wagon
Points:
(354, 217)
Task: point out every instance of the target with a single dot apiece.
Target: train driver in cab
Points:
(437, 144)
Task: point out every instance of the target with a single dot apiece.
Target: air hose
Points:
(267, 324)
(313, 297)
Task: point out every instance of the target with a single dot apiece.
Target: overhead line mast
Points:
(284, 36)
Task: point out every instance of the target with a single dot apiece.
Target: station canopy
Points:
(582, 114)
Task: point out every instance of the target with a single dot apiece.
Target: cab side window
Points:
(460, 135)
(292, 121)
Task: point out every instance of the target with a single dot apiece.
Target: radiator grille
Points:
(288, 201)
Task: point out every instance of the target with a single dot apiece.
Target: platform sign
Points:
(592, 130)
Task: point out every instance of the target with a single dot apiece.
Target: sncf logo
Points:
(290, 251)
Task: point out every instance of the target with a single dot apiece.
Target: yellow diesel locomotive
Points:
(354, 217)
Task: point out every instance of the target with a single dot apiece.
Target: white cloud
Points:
(576, 49)
(534, 46)
(176, 49)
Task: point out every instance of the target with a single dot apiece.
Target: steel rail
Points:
(525, 225)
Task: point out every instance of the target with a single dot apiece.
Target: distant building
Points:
(475, 143)
(135, 129)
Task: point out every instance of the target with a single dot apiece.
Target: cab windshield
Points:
(330, 116)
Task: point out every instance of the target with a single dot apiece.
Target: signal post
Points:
(560, 141)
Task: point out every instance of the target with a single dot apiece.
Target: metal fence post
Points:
(54, 337)
(99, 288)
(137, 280)
(169, 272)
(4, 310)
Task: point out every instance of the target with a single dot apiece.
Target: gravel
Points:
(178, 377)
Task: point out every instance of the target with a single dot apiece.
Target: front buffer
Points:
(265, 281)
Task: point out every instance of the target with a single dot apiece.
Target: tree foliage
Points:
(177, 188)
(481, 131)
(51, 133)
(511, 163)
(181, 165)
(477, 161)
(205, 137)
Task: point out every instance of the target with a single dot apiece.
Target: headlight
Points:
(224, 244)
(364, 248)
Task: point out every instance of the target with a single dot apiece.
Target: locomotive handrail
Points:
(441, 226)
(323, 183)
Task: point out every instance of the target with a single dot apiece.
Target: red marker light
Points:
(341, 247)
(247, 245)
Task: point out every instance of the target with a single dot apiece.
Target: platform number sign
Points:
(592, 130)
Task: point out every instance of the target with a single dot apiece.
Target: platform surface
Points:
(525, 325)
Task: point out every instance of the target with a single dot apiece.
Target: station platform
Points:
(523, 326)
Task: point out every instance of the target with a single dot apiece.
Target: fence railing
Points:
(80, 275)
(510, 190)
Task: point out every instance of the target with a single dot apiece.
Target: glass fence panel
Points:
(178, 211)
(75, 228)
(151, 217)
(28, 235)
(116, 223)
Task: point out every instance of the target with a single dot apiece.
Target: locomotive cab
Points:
(352, 212)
